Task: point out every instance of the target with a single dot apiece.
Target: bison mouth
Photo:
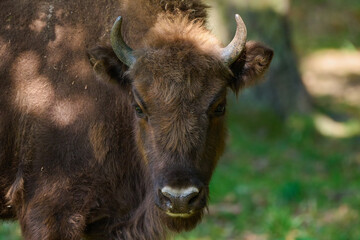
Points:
(181, 215)
(169, 212)
(181, 221)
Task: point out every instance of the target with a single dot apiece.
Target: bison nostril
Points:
(179, 200)
(193, 198)
(165, 200)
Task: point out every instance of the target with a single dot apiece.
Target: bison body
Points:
(93, 146)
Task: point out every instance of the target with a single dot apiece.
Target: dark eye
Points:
(139, 112)
(220, 109)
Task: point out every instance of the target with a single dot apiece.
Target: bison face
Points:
(179, 104)
(178, 83)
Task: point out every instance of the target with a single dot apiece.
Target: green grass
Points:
(9, 231)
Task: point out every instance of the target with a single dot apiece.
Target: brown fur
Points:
(75, 160)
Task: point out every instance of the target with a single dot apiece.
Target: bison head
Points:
(178, 84)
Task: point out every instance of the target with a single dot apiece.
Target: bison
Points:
(119, 142)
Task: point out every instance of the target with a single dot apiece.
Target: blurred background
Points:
(292, 166)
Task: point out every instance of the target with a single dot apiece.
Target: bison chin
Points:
(179, 224)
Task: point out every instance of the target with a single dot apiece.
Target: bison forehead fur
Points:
(92, 148)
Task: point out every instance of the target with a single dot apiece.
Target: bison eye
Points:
(220, 109)
(139, 112)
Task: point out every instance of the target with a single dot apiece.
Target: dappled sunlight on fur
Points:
(97, 139)
(4, 51)
(39, 24)
(32, 92)
(71, 37)
(80, 69)
(67, 111)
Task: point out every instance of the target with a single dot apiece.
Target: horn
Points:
(231, 52)
(121, 49)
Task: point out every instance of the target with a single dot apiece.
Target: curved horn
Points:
(121, 49)
(231, 52)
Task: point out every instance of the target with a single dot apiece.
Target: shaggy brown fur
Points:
(76, 160)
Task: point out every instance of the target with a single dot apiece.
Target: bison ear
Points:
(107, 66)
(250, 66)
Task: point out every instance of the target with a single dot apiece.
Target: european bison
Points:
(122, 146)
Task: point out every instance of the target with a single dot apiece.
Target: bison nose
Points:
(180, 202)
